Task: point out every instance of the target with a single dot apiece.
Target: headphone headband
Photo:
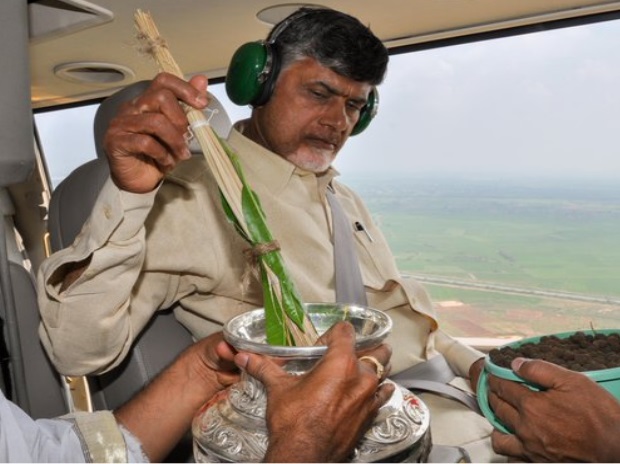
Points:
(282, 25)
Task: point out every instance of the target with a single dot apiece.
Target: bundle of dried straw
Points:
(286, 320)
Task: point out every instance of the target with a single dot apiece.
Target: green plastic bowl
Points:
(606, 378)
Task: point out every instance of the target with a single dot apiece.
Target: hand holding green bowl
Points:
(608, 378)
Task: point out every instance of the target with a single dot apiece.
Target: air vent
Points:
(274, 14)
(52, 18)
(101, 74)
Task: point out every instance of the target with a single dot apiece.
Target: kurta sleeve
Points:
(459, 355)
(83, 437)
(88, 327)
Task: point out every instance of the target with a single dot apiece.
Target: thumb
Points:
(200, 82)
(260, 367)
(543, 373)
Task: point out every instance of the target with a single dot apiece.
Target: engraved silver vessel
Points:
(232, 428)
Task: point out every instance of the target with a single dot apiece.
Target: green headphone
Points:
(254, 69)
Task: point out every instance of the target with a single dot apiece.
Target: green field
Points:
(539, 234)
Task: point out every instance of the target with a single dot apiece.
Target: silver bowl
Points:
(246, 332)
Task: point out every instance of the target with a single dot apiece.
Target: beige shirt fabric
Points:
(176, 245)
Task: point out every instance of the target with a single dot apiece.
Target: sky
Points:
(541, 104)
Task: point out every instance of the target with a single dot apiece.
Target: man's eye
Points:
(319, 95)
(356, 106)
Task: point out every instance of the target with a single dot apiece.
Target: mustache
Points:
(333, 139)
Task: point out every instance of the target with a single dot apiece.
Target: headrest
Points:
(215, 112)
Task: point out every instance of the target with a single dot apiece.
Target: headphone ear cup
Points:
(367, 113)
(246, 73)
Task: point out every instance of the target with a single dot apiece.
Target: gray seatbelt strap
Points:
(433, 376)
(349, 284)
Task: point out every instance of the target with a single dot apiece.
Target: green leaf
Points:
(254, 217)
(291, 301)
(275, 327)
(230, 215)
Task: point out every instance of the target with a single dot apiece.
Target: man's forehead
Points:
(312, 72)
(357, 91)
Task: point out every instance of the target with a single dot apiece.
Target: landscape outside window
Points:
(492, 169)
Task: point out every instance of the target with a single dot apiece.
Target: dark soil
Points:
(579, 352)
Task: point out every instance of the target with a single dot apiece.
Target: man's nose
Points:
(335, 115)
